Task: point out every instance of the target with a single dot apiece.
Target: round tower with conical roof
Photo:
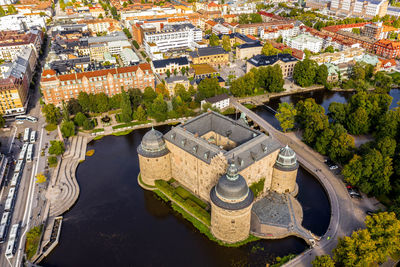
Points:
(154, 161)
(231, 202)
(285, 171)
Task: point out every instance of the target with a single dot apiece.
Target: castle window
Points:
(232, 221)
(183, 142)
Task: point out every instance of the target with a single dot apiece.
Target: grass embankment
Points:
(32, 241)
(249, 106)
(257, 187)
(98, 130)
(229, 111)
(133, 123)
(281, 261)
(194, 205)
(143, 183)
(50, 127)
(98, 137)
(122, 133)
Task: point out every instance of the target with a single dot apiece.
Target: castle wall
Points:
(152, 169)
(283, 181)
(230, 226)
(261, 169)
(195, 174)
(220, 140)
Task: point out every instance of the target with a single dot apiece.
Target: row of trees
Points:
(269, 50)
(375, 166)
(225, 42)
(250, 18)
(307, 73)
(259, 80)
(366, 247)
(10, 10)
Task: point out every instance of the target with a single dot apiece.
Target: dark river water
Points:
(117, 223)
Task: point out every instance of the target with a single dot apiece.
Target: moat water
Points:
(117, 223)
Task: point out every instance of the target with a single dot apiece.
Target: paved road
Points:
(29, 201)
(347, 214)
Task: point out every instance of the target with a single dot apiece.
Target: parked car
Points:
(353, 192)
(333, 167)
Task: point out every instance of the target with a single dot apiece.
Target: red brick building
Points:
(58, 88)
(387, 49)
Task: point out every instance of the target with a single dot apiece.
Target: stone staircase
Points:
(65, 191)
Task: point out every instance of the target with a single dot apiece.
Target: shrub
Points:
(52, 160)
(50, 127)
(32, 241)
(257, 187)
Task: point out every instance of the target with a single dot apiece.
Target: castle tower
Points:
(231, 202)
(154, 158)
(285, 171)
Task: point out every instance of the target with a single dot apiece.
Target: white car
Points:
(334, 167)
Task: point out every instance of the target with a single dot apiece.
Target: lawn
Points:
(33, 240)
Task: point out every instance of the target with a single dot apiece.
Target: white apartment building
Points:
(220, 29)
(361, 8)
(7, 2)
(304, 41)
(243, 8)
(171, 37)
(21, 22)
(274, 32)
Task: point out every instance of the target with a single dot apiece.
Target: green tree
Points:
(386, 146)
(226, 43)
(168, 73)
(148, 96)
(68, 128)
(357, 250)
(323, 261)
(140, 114)
(2, 12)
(338, 112)
(159, 109)
(80, 119)
(102, 102)
(384, 228)
(321, 74)
(304, 72)
(84, 101)
(180, 91)
(214, 40)
(356, 31)
(358, 122)
(73, 106)
(341, 145)
(56, 147)
(286, 114)
(279, 39)
(388, 124)
(208, 87)
(127, 33)
(269, 50)
(323, 141)
(126, 108)
(11, 10)
(51, 113)
(2, 121)
(329, 49)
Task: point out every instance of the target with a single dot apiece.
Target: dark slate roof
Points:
(176, 78)
(262, 60)
(286, 160)
(181, 61)
(197, 81)
(228, 205)
(249, 45)
(273, 209)
(208, 51)
(252, 145)
(216, 98)
(152, 145)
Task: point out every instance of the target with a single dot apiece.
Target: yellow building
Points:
(12, 96)
(213, 55)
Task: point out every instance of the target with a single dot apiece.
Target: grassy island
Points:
(32, 241)
(192, 209)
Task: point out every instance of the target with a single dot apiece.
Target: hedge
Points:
(133, 123)
(98, 130)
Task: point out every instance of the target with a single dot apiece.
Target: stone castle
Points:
(217, 158)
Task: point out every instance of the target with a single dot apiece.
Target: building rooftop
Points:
(251, 145)
(216, 98)
(176, 79)
(262, 60)
(273, 209)
(208, 51)
(181, 61)
(201, 69)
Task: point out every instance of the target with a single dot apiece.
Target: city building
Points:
(172, 81)
(360, 8)
(106, 25)
(113, 43)
(178, 36)
(171, 64)
(214, 55)
(202, 71)
(12, 42)
(58, 88)
(274, 32)
(219, 101)
(304, 41)
(285, 61)
(387, 48)
(21, 22)
(217, 159)
(13, 96)
(378, 31)
(245, 51)
(340, 56)
(129, 57)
